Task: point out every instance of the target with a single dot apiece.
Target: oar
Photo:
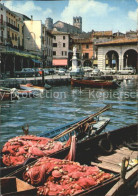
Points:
(81, 123)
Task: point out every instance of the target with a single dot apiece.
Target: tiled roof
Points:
(102, 33)
(59, 33)
(119, 41)
(82, 41)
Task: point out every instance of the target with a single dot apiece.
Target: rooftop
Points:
(119, 41)
(102, 33)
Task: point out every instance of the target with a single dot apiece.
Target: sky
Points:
(98, 15)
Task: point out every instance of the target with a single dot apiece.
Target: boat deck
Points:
(113, 162)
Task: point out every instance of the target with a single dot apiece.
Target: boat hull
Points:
(94, 83)
(32, 88)
(89, 150)
(7, 95)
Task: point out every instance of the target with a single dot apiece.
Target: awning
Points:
(60, 62)
(36, 61)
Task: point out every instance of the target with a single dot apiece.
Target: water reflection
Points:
(64, 104)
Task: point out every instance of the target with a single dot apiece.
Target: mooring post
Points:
(43, 78)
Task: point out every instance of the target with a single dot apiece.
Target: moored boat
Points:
(30, 87)
(8, 94)
(95, 83)
(27, 93)
(103, 155)
(84, 128)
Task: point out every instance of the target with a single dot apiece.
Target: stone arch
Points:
(112, 59)
(130, 58)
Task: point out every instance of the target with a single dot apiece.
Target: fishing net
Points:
(20, 148)
(63, 177)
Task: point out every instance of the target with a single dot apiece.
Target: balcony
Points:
(12, 27)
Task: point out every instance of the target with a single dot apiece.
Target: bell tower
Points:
(77, 22)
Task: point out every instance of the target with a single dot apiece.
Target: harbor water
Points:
(63, 104)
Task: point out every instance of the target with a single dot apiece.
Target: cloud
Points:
(87, 9)
(29, 8)
(133, 15)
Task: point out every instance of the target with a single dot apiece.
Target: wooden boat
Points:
(14, 186)
(95, 83)
(107, 151)
(79, 127)
(99, 124)
(8, 94)
(30, 87)
(27, 93)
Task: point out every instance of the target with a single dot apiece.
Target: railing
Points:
(12, 26)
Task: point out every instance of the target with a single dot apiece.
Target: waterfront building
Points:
(60, 49)
(118, 54)
(38, 40)
(84, 50)
(3, 26)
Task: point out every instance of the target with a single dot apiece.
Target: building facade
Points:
(3, 26)
(84, 50)
(38, 40)
(118, 54)
(60, 48)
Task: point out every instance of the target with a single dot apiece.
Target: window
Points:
(54, 52)
(64, 37)
(12, 36)
(87, 46)
(15, 37)
(54, 44)
(54, 37)
(63, 44)
(86, 56)
(64, 53)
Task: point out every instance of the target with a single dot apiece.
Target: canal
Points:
(63, 104)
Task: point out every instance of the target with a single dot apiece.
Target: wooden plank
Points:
(108, 166)
(127, 152)
(112, 158)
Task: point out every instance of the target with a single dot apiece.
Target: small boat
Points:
(26, 93)
(99, 124)
(84, 128)
(95, 83)
(105, 155)
(30, 87)
(8, 94)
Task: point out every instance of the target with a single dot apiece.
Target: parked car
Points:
(46, 71)
(79, 72)
(108, 71)
(96, 72)
(61, 72)
(87, 69)
(26, 72)
(127, 70)
(51, 71)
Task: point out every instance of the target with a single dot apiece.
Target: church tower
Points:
(77, 22)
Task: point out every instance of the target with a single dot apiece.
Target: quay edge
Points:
(55, 81)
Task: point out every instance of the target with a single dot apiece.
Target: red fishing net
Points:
(18, 149)
(62, 177)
